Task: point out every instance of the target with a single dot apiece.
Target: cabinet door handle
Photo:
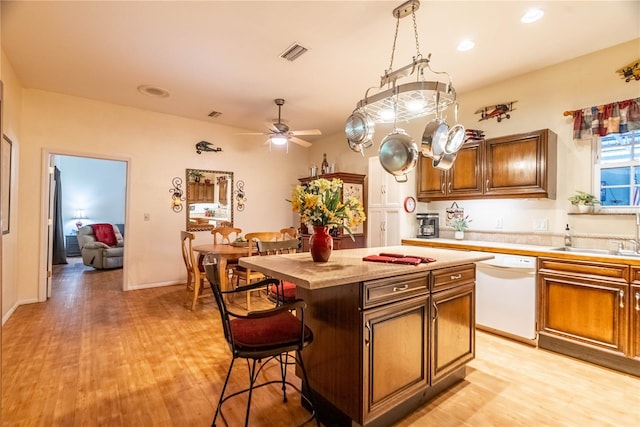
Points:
(456, 277)
(637, 295)
(449, 185)
(442, 188)
(435, 312)
(400, 288)
(621, 293)
(367, 338)
(383, 189)
(487, 187)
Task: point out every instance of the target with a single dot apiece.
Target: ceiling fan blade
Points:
(271, 127)
(252, 133)
(306, 132)
(299, 141)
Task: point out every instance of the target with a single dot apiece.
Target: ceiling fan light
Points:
(279, 140)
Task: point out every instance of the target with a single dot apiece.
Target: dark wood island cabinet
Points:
(387, 337)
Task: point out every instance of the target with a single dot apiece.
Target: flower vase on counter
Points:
(458, 235)
(320, 244)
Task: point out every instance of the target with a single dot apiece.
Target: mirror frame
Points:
(206, 227)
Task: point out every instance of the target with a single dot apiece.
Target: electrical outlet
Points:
(147, 217)
(498, 223)
(541, 224)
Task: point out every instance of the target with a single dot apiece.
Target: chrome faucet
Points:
(636, 241)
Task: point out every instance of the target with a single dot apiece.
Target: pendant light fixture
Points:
(406, 93)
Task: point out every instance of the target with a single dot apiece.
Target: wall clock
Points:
(409, 204)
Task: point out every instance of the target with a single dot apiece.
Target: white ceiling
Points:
(224, 55)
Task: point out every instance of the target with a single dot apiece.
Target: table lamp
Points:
(79, 215)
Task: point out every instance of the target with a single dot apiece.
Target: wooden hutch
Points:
(353, 185)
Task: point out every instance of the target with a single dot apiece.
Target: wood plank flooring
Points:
(94, 355)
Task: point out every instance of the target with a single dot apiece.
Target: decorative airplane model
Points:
(206, 146)
(498, 111)
(631, 71)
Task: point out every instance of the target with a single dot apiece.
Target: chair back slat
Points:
(279, 247)
(225, 234)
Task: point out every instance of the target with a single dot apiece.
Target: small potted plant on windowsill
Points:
(460, 224)
(583, 201)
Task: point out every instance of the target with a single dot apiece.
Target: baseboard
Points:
(15, 306)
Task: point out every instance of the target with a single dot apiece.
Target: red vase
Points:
(320, 244)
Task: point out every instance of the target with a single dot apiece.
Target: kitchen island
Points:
(387, 337)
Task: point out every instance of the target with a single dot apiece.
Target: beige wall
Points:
(542, 98)
(159, 147)
(11, 112)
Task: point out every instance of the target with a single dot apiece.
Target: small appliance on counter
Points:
(428, 225)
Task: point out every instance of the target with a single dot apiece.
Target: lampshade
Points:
(79, 214)
(278, 139)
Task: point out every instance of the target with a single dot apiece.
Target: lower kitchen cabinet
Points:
(584, 311)
(384, 347)
(395, 363)
(453, 330)
(634, 314)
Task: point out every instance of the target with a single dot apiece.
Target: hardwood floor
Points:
(94, 355)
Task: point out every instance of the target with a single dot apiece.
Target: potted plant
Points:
(460, 224)
(584, 201)
(195, 175)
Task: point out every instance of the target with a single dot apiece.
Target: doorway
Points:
(94, 190)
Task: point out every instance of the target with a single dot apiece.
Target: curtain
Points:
(617, 117)
(59, 255)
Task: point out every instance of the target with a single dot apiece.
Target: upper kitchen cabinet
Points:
(522, 165)
(462, 181)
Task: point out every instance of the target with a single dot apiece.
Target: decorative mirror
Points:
(209, 199)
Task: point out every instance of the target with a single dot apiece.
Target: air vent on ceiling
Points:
(215, 114)
(293, 52)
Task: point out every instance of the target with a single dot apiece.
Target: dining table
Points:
(226, 253)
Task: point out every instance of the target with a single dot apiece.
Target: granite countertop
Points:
(346, 265)
(520, 249)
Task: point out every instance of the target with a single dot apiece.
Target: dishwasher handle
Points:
(528, 270)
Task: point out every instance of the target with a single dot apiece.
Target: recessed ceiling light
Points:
(154, 91)
(465, 45)
(532, 15)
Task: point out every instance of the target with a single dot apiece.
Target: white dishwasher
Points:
(506, 296)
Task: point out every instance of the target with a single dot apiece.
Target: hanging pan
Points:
(434, 137)
(455, 136)
(359, 128)
(398, 154)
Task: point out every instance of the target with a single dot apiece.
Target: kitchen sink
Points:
(596, 251)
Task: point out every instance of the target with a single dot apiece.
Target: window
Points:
(617, 169)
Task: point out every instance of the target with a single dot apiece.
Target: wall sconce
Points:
(240, 195)
(176, 194)
(79, 214)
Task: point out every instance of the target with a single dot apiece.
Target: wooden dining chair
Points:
(260, 337)
(288, 233)
(244, 274)
(225, 234)
(195, 272)
(283, 292)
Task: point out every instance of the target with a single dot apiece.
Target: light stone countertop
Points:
(346, 265)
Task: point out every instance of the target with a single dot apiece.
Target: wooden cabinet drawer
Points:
(376, 292)
(445, 278)
(585, 269)
(635, 275)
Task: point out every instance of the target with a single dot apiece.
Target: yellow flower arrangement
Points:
(319, 204)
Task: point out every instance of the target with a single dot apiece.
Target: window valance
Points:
(617, 117)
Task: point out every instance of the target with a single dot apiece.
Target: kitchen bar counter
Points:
(346, 266)
(387, 337)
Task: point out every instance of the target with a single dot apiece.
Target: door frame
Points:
(46, 224)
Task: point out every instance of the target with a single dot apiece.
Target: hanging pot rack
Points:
(402, 102)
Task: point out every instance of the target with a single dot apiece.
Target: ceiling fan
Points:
(279, 133)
